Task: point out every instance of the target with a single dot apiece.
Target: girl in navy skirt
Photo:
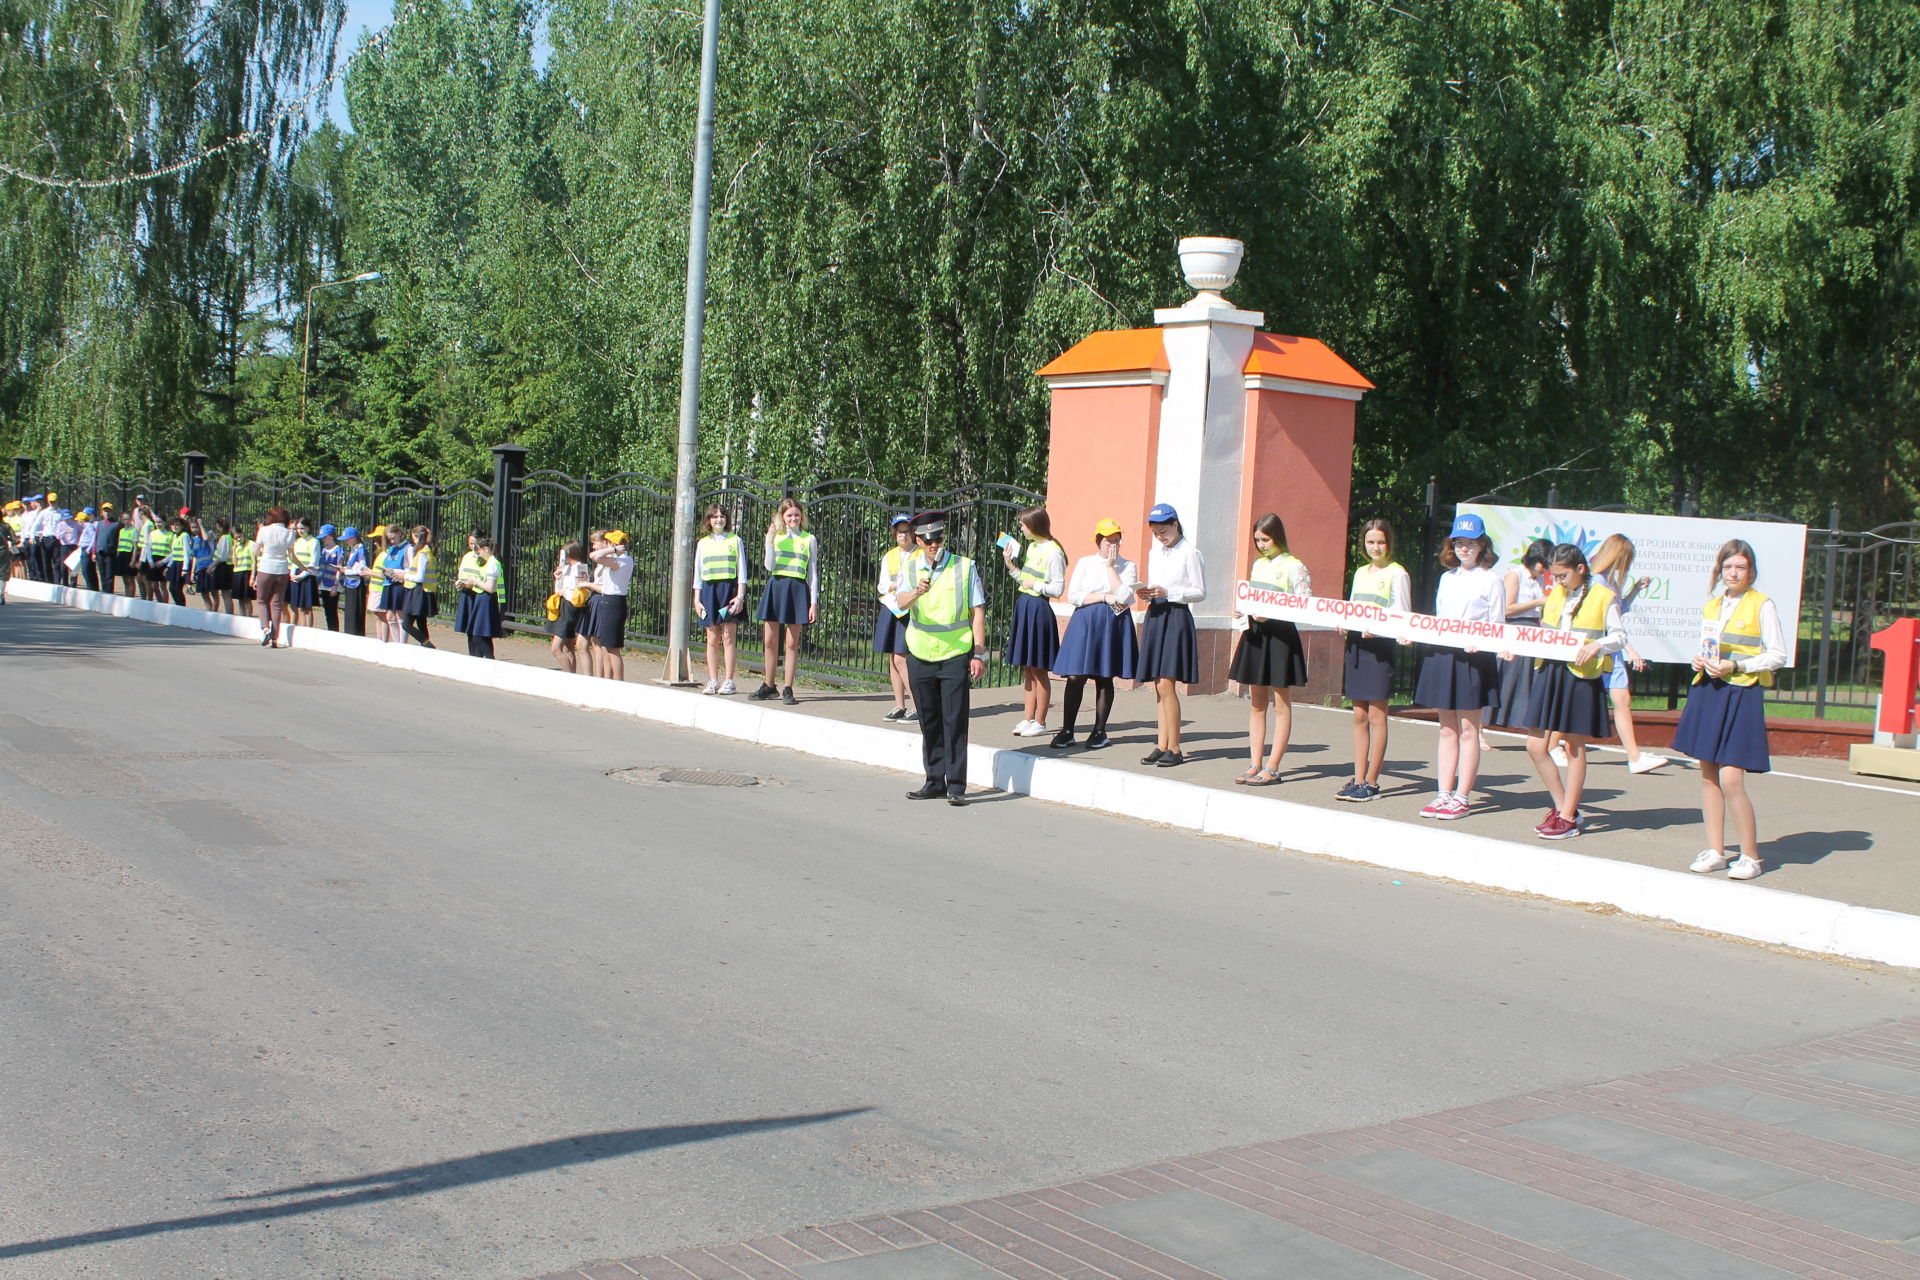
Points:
(889, 627)
(1527, 585)
(720, 595)
(1269, 660)
(606, 623)
(1724, 725)
(1099, 644)
(1169, 650)
(421, 600)
(791, 601)
(479, 617)
(1035, 637)
(390, 584)
(570, 578)
(1367, 660)
(1461, 685)
(1570, 697)
(303, 584)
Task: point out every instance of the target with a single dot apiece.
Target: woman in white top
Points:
(1169, 648)
(570, 578)
(890, 622)
(606, 628)
(1462, 685)
(1099, 644)
(1724, 725)
(1034, 640)
(272, 552)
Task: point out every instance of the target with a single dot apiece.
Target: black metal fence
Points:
(532, 515)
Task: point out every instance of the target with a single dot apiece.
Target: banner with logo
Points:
(1675, 554)
(1454, 633)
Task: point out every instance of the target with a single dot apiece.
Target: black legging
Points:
(355, 599)
(479, 646)
(1102, 701)
(330, 604)
(415, 625)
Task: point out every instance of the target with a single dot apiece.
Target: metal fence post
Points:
(433, 518)
(195, 476)
(509, 465)
(1832, 567)
(586, 511)
(22, 475)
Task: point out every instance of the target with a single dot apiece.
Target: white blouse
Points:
(1476, 595)
(1773, 641)
(1180, 570)
(611, 577)
(1090, 578)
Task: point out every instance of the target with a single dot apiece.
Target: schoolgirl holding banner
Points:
(720, 596)
(1368, 659)
(1527, 585)
(1270, 660)
(1169, 646)
(1570, 698)
(1724, 724)
(1035, 638)
(890, 621)
(1461, 685)
(1099, 644)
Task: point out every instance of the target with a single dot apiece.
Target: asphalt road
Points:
(315, 969)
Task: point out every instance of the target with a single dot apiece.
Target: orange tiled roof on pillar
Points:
(1110, 351)
(1274, 355)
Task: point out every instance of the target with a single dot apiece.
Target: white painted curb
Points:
(1740, 910)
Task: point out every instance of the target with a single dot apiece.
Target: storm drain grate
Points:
(671, 776)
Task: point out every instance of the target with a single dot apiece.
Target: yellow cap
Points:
(616, 538)
(379, 531)
(1106, 528)
(51, 495)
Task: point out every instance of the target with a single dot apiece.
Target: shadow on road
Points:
(422, 1179)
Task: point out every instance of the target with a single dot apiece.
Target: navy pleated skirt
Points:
(1725, 724)
(479, 614)
(784, 600)
(304, 594)
(1269, 654)
(1517, 681)
(717, 595)
(1565, 703)
(889, 632)
(1454, 680)
(417, 602)
(1099, 642)
(1034, 640)
(606, 623)
(1169, 647)
(1367, 667)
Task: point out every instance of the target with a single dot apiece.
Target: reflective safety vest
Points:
(721, 556)
(1033, 569)
(940, 622)
(353, 568)
(171, 548)
(128, 541)
(1589, 623)
(242, 554)
(150, 539)
(1375, 586)
(470, 567)
(304, 556)
(420, 560)
(1276, 572)
(792, 555)
(1740, 637)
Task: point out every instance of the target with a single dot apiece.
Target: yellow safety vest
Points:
(1375, 586)
(792, 555)
(1741, 637)
(940, 623)
(1274, 572)
(430, 580)
(242, 554)
(720, 555)
(1033, 569)
(128, 541)
(303, 552)
(470, 567)
(1589, 622)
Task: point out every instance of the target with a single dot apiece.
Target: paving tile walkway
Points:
(1795, 1162)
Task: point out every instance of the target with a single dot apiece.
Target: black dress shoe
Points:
(957, 799)
(928, 792)
(1152, 757)
(1171, 758)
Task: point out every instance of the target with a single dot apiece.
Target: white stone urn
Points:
(1210, 262)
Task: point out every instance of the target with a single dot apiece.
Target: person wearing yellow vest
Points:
(9, 539)
(147, 559)
(790, 603)
(719, 595)
(1570, 697)
(482, 589)
(174, 550)
(240, 593)
(303, 583)
(946, 606)
(1367, 660)
(1270, 659)
(421, 600)
(890, 620)
(1724, 724)
(1034, 639)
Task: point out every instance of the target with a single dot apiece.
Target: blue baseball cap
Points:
(36, 497)
(1467, 526)
(902, 518)
(86, 511)
(1163, 513)
(326, 531)
(349, 532)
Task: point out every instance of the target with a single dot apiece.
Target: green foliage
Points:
(1674, 242)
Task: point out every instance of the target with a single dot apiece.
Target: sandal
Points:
(1263, 778)
(1246, 777)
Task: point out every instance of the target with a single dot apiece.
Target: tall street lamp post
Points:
(306, 336)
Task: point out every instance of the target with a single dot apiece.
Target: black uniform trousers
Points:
(942, 694)
(354, 602)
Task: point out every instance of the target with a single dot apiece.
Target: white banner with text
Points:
(1454, 633)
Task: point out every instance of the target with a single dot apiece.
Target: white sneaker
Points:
(1708, 861)
(727, 687)
(1559, 756)
(1029, 729)
(1646, 762)
(1020, 729)
(1744, 868)
(711, 688)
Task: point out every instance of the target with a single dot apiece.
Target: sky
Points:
(361, 14)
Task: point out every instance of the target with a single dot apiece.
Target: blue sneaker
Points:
(1347, 792)
(1364, 791)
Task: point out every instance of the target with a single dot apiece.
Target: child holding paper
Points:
(890, 623)
(1462, 685)
(1570, 697)
(1035, 638)
(1269, 660)
(1368, 665)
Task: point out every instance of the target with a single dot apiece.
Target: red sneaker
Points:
(1558, 828)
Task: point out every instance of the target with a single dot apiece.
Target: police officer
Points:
(946, 640)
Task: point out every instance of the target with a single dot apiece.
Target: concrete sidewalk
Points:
(1827, 833)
